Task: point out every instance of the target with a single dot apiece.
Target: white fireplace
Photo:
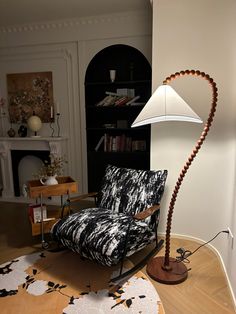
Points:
(21, 146)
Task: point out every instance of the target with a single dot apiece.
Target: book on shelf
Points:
(128, 144)
(138, 145)
(106, 142)
(100, 103)
(132, 100)
(117, 143)
(99, 143)
(114, 144)
(122, 142)
(122, 100)
(107, 101)
(34, 211)
(135, 103)
(118, 99)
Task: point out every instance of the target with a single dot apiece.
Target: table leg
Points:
(68, 197)
(45, 245)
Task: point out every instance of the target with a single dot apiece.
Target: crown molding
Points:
(71, 23)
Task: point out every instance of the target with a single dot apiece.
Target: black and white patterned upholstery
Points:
(100, 233)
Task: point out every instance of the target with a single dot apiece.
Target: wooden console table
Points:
(65, 186)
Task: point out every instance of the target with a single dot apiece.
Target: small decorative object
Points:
(34, 124)
(50, 170)
(11, 132)
(35, 212)
(112, 75)
(109, 125)
(22, 131)
(58, 124)
(24, 190)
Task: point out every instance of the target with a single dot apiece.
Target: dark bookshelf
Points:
(130, 147)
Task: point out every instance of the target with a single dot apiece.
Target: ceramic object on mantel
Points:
(22, 131)
(11, 132)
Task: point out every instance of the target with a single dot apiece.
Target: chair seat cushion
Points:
(100, 234)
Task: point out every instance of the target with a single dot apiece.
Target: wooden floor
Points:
(204, 292)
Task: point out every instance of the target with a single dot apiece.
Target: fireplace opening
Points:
(18, 172)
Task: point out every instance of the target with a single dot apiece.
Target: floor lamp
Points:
(166, 105)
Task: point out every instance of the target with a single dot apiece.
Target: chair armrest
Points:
(83, 196)
(147, 212)
(77, 199)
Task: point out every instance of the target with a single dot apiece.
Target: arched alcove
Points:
(128, 61)
(110, 139)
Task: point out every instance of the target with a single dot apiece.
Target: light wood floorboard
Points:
(204, 292)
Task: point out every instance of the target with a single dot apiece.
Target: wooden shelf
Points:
(47, 225)
(109, 83)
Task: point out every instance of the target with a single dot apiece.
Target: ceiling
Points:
(14, 12)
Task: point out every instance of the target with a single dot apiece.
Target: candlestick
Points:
(51, 116)
(57, 106)
(51, 127)
(58, 125)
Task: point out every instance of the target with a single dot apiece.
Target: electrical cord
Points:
(184, 254)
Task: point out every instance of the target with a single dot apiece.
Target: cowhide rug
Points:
(62, 282)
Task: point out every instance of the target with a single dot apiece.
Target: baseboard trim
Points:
(213, 249)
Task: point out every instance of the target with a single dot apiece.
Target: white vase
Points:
(50, 180)
(112, 75)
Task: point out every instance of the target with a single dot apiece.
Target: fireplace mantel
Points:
(32, 138)
(37, 142)
(52, 144)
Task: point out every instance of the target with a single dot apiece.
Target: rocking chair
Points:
(123, 222)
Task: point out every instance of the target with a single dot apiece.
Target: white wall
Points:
(199, 35)
(66, 48)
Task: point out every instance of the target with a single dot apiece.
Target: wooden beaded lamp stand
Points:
(166, 269)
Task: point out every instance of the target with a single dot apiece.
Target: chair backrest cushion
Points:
(131, 191)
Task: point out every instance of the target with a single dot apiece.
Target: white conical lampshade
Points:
(165, 105)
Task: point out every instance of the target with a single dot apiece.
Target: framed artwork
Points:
(30, 93)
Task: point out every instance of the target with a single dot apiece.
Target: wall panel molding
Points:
(61, 59)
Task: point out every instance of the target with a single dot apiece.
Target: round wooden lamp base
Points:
(178, 271)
